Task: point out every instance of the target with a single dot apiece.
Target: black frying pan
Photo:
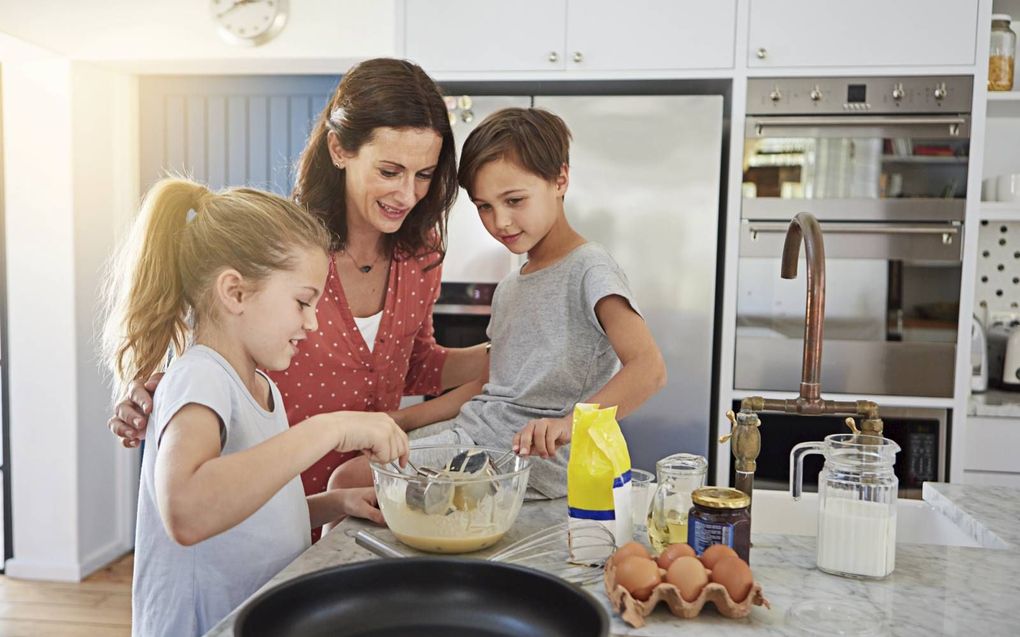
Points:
(424, 597)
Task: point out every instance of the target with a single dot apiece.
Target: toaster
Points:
(1003, 337)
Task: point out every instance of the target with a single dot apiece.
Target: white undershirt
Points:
(369, 327)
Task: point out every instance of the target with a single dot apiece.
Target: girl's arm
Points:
(201, 493)
(334, 504)
(642, 375)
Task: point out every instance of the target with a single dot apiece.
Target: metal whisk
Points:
(574, 554)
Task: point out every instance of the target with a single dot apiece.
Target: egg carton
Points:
(633, 611)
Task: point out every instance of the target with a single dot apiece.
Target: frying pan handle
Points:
(368, 541)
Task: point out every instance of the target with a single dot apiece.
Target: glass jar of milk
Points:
(856, 503)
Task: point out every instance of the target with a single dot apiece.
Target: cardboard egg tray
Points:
(633, 611)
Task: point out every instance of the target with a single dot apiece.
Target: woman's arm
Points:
(438, 409)
(643, 374)
(201, 493)
(464, 364)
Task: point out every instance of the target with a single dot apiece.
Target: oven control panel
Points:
(859, 95)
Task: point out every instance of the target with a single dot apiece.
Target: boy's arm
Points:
(642, 375)
(201, 493)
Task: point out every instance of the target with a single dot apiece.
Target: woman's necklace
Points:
(365, 269)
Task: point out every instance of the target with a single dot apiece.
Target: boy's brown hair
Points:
(534, 139)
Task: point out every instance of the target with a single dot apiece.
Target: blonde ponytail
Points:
(183, 237)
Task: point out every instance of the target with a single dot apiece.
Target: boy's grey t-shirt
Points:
(548, 353)
(186, 590)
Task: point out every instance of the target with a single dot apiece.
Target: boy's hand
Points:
(543, 436)
(361, 502)
(373, 433)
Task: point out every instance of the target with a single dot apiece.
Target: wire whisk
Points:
(574, 551)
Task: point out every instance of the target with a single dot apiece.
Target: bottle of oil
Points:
(677, 476)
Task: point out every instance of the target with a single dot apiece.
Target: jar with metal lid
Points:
(1001, 54)
(720, 515)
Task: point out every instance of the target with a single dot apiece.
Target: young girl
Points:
(231, 280)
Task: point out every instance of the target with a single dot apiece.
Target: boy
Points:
(563, 324)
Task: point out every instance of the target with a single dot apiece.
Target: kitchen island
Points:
(935, 590)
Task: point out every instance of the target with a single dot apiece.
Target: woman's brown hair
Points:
(161, 278)
(374, 94)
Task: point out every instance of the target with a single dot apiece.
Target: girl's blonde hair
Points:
(161, 280)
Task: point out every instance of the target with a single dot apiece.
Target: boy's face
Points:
(516, 206)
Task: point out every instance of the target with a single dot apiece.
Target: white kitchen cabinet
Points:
(992, 444)
(473, 35)
(820, 33)
(608, 35)
(571, 35)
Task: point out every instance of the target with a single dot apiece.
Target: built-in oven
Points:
(919, 432)
(461, 313)
(882, 162)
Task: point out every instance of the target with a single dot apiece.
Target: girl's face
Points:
(516, 206)
(278, 315)
(387, 176)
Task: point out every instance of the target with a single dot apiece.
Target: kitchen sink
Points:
(917, 522)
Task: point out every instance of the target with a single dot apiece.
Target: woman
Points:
(380, 168)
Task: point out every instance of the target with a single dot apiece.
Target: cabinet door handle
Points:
(761, 53)
(554, 56)
(578, 57)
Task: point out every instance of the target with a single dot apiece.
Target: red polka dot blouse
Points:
(334, 370)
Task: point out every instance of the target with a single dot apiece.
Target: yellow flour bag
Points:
(598, 476)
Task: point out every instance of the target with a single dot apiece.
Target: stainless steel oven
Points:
(882, 162)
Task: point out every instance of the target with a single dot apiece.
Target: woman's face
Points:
(387, 176)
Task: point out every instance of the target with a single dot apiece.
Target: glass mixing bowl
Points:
(466, 512)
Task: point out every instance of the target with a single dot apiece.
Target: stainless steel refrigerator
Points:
(644, 182)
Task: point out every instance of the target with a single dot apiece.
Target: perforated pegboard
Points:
(998, 268)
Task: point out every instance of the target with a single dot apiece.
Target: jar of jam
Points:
(720, 515)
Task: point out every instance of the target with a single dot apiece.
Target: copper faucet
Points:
(746, 439)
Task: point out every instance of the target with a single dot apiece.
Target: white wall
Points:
(164, 36)
(70, 176)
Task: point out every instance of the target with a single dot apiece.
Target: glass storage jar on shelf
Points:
(1001, 54)
(677, 475)
(856, 503)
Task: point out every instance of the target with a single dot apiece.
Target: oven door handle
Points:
(948, 232)
(951, 124)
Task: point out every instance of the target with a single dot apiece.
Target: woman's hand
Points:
(131, 415)
(544, 436)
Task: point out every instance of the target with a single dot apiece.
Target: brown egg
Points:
(639, 575)
(688, 575)
(672, 552)
(714, 553)
(735, 576)
(629, 549)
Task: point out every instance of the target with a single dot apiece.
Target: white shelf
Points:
(1004, 96)
(1000, 211)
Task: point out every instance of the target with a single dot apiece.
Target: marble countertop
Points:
(935, 590)
(995, 403)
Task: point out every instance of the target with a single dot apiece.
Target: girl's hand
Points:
(543, 436)
(131, 415)
(373, 433)
(361, 502)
